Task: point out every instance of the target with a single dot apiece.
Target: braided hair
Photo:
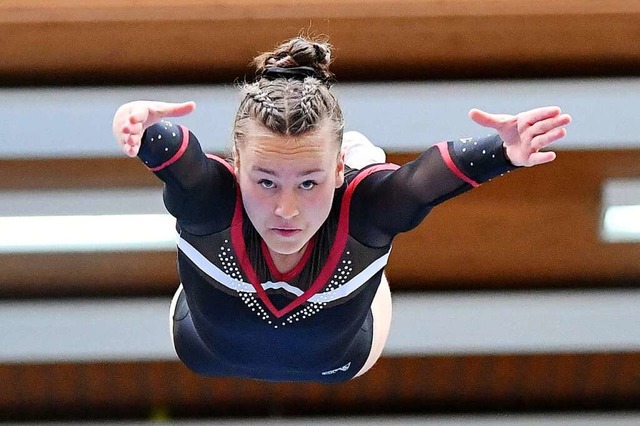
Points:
(291, 94)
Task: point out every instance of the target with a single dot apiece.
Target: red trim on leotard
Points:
(237, 240)
(224, 162)
(444, 151)
(289, 275)
(177, 155)
(342, 235)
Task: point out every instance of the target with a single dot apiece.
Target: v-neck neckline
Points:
(293, 272)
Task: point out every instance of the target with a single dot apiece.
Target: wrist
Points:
(505, 152)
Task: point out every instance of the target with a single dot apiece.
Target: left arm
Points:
(387, 203)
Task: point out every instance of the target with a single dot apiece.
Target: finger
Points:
(138, 115)
(168, 109)
(131, 151)
(548, 124)
(486, 119)
(538, 114)
(129, 139)
(541, 158)
(131, 145)
(541, 141)
(132, 128)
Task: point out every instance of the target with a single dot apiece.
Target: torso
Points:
(312, 322)
(264, 323)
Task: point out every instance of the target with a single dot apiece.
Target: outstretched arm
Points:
(387, 203)
(199, 189)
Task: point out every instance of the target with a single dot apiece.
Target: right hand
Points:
(132, 119)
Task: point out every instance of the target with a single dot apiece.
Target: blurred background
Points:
(516, 303)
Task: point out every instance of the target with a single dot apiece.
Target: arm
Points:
(199, 191)
(387, 203)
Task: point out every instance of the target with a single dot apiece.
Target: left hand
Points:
(133, 118)
(525, 134)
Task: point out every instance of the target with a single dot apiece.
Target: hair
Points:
(290, 105)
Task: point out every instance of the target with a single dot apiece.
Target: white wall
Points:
(76, 122)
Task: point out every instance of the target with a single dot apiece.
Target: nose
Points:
(287, 206)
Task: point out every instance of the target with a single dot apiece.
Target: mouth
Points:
(286, 232)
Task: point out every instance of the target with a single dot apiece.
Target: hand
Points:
(525, 134)
(131, 120)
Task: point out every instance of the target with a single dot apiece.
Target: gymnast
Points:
(282, 250)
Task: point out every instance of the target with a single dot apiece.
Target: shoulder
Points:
(354, 177)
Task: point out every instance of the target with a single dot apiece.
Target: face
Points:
(288, 184)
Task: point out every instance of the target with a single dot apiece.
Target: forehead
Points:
(262, 145)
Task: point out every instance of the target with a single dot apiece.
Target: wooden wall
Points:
(150, 41)
(435, 384)
(532, 229)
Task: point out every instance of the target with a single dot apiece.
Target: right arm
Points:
(199, 190)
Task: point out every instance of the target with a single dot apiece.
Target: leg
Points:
(172, 314)
(359, 151)
(186, 341)
(381, 310)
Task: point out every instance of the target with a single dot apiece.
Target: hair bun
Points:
(295, 53)
(323, 53)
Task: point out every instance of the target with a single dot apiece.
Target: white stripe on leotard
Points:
(231, 283)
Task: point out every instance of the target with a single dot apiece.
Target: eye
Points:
(266, 183)
(308, 184)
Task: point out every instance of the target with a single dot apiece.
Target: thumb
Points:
(541, 158)
(169, 109)
(486, 119)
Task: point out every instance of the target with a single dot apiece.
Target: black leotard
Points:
(238, 316)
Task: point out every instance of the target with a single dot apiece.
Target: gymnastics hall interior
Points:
(514, 304)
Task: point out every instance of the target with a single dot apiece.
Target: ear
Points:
(340, 169)
(236, 160)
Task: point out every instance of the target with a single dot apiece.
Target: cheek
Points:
(319, 204)
(252, 199)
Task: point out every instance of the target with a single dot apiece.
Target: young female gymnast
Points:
(281, 253)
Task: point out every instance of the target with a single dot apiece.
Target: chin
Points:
(285, 249)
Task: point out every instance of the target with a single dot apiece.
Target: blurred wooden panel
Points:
(151, 42)
(534, 228)
(88, 274)
(395, 385)
(75, 173)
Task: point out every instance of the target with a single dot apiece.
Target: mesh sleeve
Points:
(389, 202)
(199, 190)
(479, 159)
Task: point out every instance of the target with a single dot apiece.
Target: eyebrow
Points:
(274, 173)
